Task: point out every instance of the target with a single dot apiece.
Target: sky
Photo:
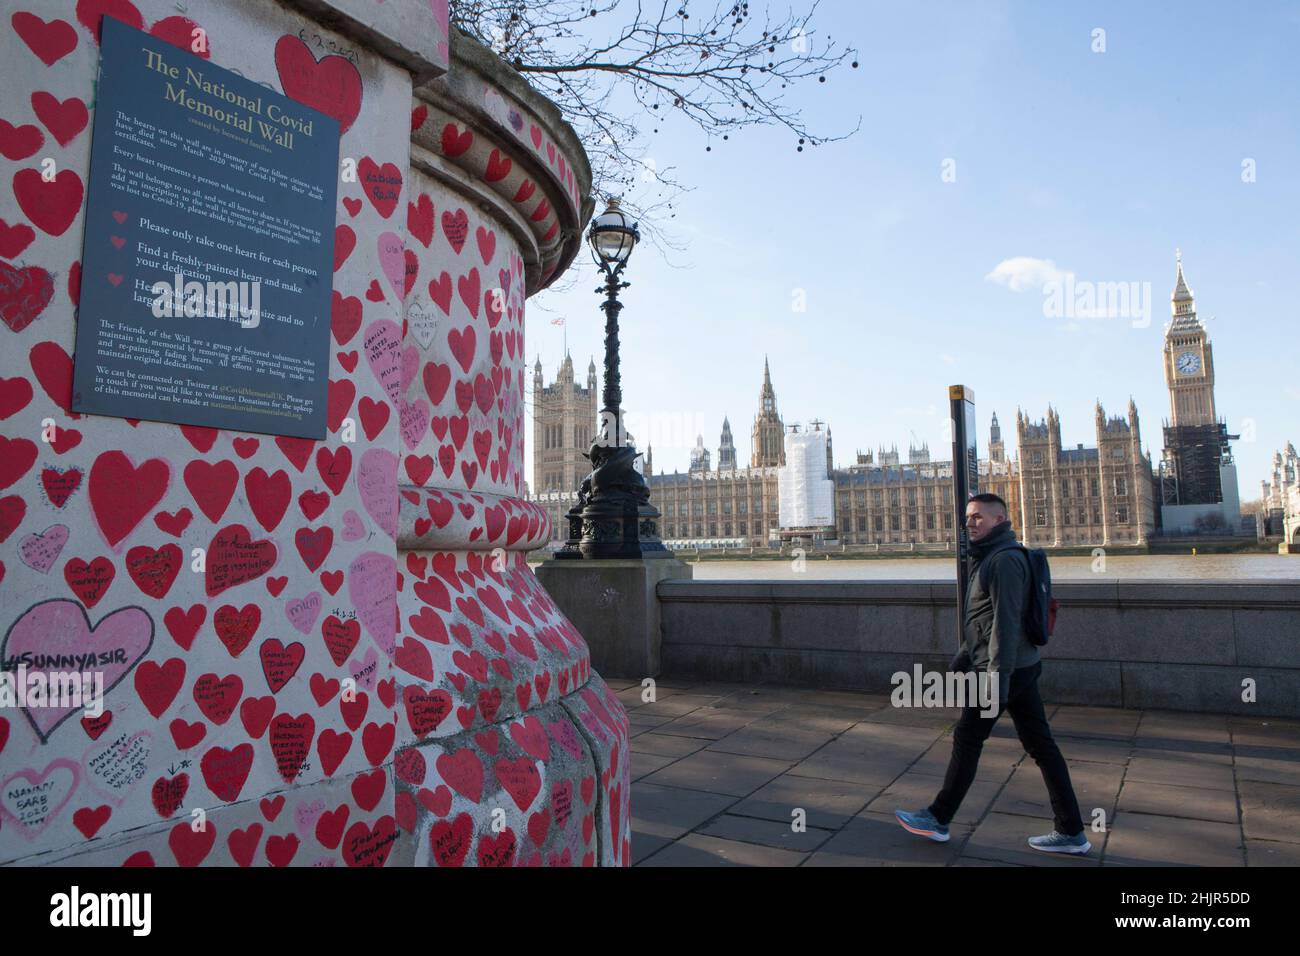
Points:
(1000, 149)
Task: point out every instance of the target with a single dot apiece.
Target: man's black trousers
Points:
(1026, 709)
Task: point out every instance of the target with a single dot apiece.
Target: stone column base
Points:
(613, 605)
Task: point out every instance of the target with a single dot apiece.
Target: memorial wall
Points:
(263, 275)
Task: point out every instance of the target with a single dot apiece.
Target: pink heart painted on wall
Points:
(40, 551)
(372, 588)
(60, 627)
(353, 527)
(302, 612)
(377, 482)
(383, 353)
(52, 788)
(414, 417)
(392, 259)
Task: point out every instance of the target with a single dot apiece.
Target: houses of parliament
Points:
(1107, 494)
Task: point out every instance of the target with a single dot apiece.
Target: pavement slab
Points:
(666, 745)
(877, 839)
(1181, 772)
(733, 775)
(671, 811)
(700, 850)
(1141, 839)
(774, 833)
(1270, 811)
(761, 739)
(828, 804)
(1140, 796)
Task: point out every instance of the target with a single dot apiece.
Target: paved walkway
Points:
(717, 770)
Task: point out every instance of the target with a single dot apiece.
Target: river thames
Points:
(1176, 567)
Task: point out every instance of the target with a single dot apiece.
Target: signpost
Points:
(208, 258)
(965, 481)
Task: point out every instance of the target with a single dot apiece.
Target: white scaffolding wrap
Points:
(807, 495)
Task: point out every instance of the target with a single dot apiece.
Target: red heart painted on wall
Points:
(24, 294)
(19, 142)
(14, 239)
(331, 85)
(455, 226)
(381, 184)
(63, 119)
(455, 143)
(234, 558)
(121, 494)
(51, 206)
(50, 41)
(419, 219)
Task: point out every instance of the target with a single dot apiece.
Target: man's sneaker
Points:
(1057, 842)
(923, 823)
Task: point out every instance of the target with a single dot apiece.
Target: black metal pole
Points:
(612, 396)
(965, 482)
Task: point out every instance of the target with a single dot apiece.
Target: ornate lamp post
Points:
(613, 517)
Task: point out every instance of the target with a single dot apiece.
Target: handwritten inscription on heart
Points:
(56, 636)
(33, 800)
(372, 587)
(40, 551)
(377, 482)
(392, 259)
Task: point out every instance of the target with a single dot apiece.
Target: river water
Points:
(1212, 567)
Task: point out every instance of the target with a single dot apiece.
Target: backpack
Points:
(1040, 611)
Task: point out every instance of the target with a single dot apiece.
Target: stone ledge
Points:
(1247, 594)
(405, 31)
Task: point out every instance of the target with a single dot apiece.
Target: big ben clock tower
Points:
(1198, 480)
(1189, 361)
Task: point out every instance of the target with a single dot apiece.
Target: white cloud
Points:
(1026, 272)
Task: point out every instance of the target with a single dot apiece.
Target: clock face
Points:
(1189, 363)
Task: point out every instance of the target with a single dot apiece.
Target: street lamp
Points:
(613, 517)
(612, 237)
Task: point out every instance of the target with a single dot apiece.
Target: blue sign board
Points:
(207, 265)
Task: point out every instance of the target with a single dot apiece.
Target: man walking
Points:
(994, 640)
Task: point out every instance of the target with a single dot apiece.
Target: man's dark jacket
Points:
(994, 633)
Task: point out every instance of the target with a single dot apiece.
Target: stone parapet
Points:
(1182, 645)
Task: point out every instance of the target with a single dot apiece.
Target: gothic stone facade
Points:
(1074, 497)
(1081, 497)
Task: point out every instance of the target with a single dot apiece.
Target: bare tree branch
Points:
(612, 65)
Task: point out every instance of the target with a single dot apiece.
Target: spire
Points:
(767, 395)
(1181, 292)
(1181, 303)
(726, 448)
